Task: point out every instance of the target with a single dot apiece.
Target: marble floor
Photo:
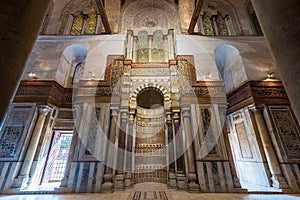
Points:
(153, 191)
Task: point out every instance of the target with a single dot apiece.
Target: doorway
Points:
(57, 158)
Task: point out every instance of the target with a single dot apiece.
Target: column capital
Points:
(256, 108)
(44, 110)
(186, 111)
(124, 115)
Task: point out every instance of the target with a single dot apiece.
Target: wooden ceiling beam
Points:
(195, 16)
(103, 15)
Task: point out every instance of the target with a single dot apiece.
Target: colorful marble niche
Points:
(157, 49)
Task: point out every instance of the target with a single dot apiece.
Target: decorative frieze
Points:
(287, 131)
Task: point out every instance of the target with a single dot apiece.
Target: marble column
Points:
(128, 171)
(24, 178)
(181, 179)
(166, 50)
(99, 26)
(110, 155)
(280, 21)
(235, 178)
(191, 174)
(171, 162)
(69, 25)
(201, 28)
(150, 39)
(214, 23)
(171, 44)
(278, 181)
(119, 183)
(134, 50)
(129, 43)
(20, 21)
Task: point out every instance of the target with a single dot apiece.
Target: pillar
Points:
(20, 21)
(110, 155)
(181, 179)
(134, 50)
(128, 55)
(171, 155)
(23, 178)
(119, 183)
(150, 39)
(279, 21)
(166, 50)
(278, 181)
(214, 24)
(191, 173)
(171, 44)
(128, 171)
(201, 28)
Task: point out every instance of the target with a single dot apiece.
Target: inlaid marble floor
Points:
(153, 191)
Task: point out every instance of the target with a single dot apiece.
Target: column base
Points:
(192, 185)
(181, 181)
(107, 185)
(62, 190)
(128, 180)
(172, 180)
(119, 181)
(21, 182)
(278, 181)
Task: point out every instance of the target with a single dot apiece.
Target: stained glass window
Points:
(157, 47)
(143, 47)
(91, 24)
(208, 30)
(77, 25)
(221, 25)
(77, 73)
(58, 157)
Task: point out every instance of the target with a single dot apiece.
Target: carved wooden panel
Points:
(287, 131)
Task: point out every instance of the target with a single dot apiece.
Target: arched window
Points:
(142, 47)
(78, 71)
(222, 28)
(218, 17)
(157, 47)
(72, 64)
(207, 26)
(254, 21)
(84, 24)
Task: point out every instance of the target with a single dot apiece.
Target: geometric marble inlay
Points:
(150, 195)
